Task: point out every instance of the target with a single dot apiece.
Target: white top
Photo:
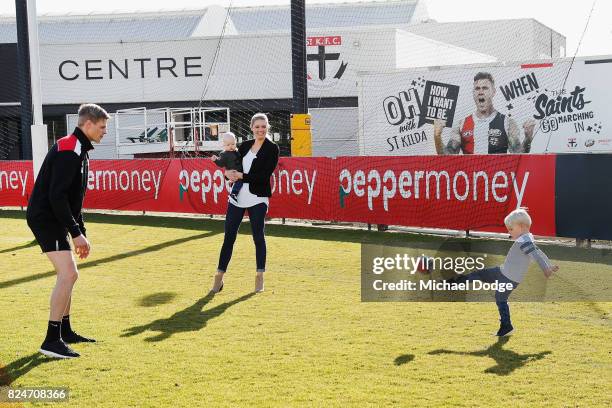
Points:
(521, 253)
(247, 199)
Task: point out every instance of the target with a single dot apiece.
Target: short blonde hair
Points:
(92, 112)
(518, 216)
(228, 135)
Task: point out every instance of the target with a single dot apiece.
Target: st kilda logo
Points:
(330, 67)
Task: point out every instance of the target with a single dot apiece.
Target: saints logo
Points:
(325, 67)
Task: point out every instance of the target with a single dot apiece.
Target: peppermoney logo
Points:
(441, 185)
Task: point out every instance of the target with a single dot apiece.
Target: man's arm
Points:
(81, 244)
(454, 143)
(81, 224)
(65, 167)
(514, 140)
(528, 128)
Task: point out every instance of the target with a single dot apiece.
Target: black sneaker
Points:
(505, 330)
(57, 349)
(73, 337)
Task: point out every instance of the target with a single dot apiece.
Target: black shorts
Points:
(51, 239)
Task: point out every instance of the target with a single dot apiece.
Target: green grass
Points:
(307, 340)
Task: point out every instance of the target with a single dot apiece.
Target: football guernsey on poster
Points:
(488, 109)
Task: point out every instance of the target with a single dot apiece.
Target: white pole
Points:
(39, 130)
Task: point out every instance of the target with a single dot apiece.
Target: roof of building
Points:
(278, 18)
(68, 29)
(166, 25)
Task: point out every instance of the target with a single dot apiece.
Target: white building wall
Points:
(413, 51)
(335, 132)
(107, 149)
(246, 67)
(507, 40)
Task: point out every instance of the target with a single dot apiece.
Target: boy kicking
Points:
(54, 211)
(513, 270)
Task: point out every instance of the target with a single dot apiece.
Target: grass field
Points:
(307, 340)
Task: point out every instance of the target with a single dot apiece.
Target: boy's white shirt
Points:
(517, 258)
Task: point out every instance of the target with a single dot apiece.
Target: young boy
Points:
(230, 159)
(514, 267)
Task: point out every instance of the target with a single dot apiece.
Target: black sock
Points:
(53, 331)
(66, 329)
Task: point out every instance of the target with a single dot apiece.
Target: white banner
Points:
(488, 109)
(245, 67)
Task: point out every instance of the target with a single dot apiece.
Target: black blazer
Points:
(262, 168)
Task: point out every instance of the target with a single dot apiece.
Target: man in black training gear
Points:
(54, 211)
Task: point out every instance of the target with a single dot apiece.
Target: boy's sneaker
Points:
(73, 337)
(57, 349)
(505, 330)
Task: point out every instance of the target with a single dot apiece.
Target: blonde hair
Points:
(518, 216)
(228, 135)
(260, 116)
(92, 112)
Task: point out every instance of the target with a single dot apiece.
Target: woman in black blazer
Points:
(259, 159)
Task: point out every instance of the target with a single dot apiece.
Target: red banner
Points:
(302, 188)
(16, 183)
(454, 192)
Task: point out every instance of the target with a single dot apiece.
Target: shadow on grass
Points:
(187, 320)
(108, 259)
(478, 245)
(507, 360)
(217, 225)
(156, 299)
(18, 368)
(403, 359)
(17, 248)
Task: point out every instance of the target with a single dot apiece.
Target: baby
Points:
(230, 159)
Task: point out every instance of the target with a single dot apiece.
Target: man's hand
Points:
(81, 246)
(214, 157)
(438, 126)
(548, 272)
